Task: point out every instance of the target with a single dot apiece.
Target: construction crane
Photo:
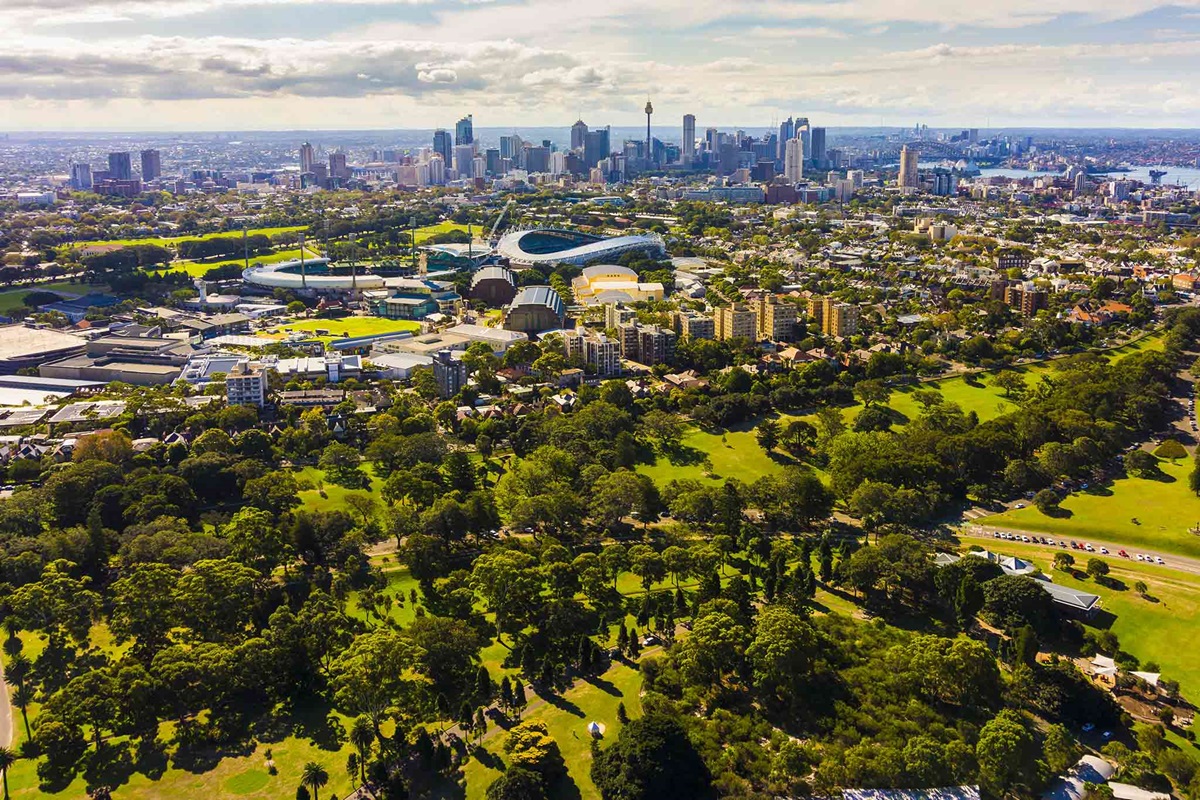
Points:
(492, 236)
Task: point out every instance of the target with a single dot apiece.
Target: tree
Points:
(256, 540)
(1141, 588)
(1047, 501)
(530, 746)
(1010, 382)
(7, 759)
(362, 736)
(315, 776)
(768, 434)
(143, 608)
(968, 600)
(1141, 464)
(1097, 568)
(517, 783)
(1064, 561)
(872, 392)
(115, 447)
(780, 654)
(375, 674)
(1060, 749)
(1005, 753)
(652, 759)
(1011, 601)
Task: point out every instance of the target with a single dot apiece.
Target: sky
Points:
(355, 64)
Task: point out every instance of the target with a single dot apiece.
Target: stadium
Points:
(313, 275)
(531, 247)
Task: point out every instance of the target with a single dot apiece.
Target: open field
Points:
(349, 327)
(1151, 629)
(733, 454)
(334, 498)
(168, 241)
(1154, 514)
(423, 234)
(15, 298)
(567, 719)
(198, 269)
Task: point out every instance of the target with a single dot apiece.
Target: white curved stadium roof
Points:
(278, 276)
(510, 247)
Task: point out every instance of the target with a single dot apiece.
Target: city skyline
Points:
(364, 64)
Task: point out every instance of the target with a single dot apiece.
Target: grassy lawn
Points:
(1151, 629)
(15, 298)
(167, 241)
(400, 584)
(334, 495)
(1164, 510)
(198, 269)
(567, 720)
(424, 234)
(350, 327)
(734, 454)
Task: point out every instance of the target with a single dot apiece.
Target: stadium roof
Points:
(493, 273)
(556, 246)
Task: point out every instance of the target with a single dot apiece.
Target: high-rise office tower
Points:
(443, 145)
(492, 158)
(908, 177)
(596, 147)
(81, 176)
(464, 158)
(151, 165)
(511, 146)
(818, 147)
(307, 158)
(793, 161)
(804, 134)
(464, 131)
(337, 167)
(120, 168)
(787, 132)
(689, 138)
(579, 132)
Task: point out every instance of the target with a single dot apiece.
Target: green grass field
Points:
(1151, 629)
(423, 234)
(1164, 509)
(198, 269)
(167, 241)
(334, 498)
(15, 298)
(349, 327)
(733, 454)
(567, 721)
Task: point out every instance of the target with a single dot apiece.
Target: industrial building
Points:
(22, 347)
(495, 286)
(535, 309)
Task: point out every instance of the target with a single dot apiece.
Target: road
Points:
(1178, 563)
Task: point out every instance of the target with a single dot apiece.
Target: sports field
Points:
(168, 241)
(349, 327)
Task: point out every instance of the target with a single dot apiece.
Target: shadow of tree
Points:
(606, 686)
(561, 703)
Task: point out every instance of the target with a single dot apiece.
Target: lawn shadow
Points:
(1098, 491)
(1058, 512)
(683, 455)
(1103, 620)
(113, 766)
(1109, 582)
(606, 686)
(311, 720)
(487, 758)
(564, 789)
(562, 703)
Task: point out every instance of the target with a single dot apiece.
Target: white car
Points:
(1089, 548)
(1104, 550)
(1158, 560)
(1019, 505)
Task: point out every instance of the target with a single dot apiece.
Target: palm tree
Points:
(314, 775)
(7, 759)
(362, 736)
(18, 673)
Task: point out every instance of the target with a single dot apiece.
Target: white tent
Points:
(595, 729)
(1103, 665)
(1149, 677)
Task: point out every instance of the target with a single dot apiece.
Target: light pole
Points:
(649, 141)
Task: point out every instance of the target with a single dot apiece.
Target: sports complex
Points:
(531, 247)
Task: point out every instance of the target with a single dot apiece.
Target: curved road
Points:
(1178, 563)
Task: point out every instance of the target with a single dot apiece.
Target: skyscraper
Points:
(818, 147)
(908, 177)
(804, 134)
(307, 158)
(579, 132)
(511, 147)
(787, 132)
(464, 131)
(689, 138)
(596, 147)
(443, 145)
(151, 165)
(464, 160)
(337, 167)
(119, 167)
(793, 160)
(81, 176)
